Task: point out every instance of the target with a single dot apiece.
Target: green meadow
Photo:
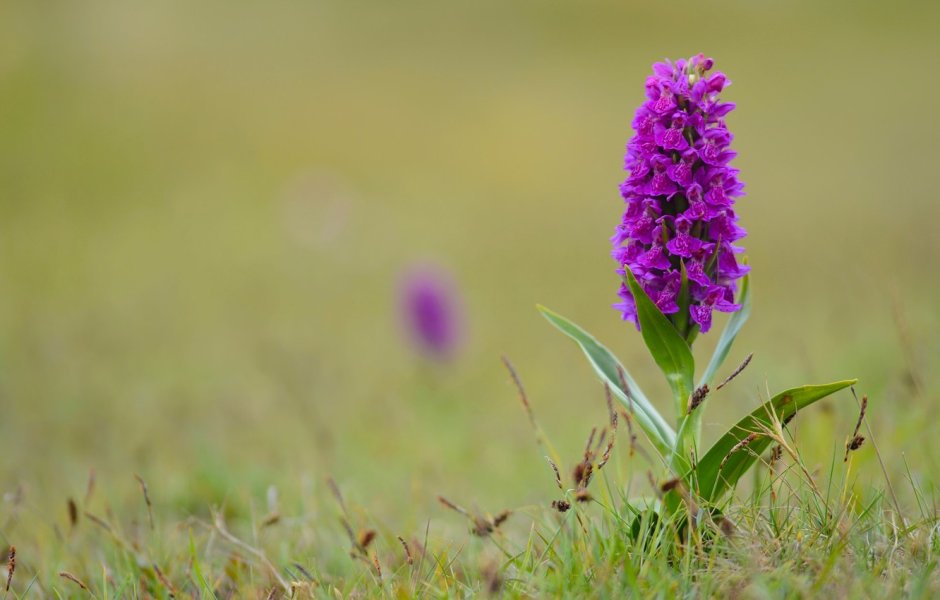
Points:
(206, 210)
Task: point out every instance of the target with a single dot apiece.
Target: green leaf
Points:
(637, 505)
(713, 479)
(692, 426)
(197, 570)
(669, 349)
(735, 323)
(606, 366)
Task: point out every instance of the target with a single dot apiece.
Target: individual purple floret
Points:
(680, 198)
(430, 312)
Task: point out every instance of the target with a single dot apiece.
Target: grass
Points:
(791, 532)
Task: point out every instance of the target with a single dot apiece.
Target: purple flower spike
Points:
(431, 312)
(680, 197)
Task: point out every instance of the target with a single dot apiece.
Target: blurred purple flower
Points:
(680, 197)
(431, 311)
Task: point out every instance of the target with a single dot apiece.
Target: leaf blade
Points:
(606, 365)
(668, 348)
(712, 478)
(692, 426)
(730, 332)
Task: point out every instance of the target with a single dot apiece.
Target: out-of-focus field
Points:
(205, 208)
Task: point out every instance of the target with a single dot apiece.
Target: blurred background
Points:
(207, 209)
